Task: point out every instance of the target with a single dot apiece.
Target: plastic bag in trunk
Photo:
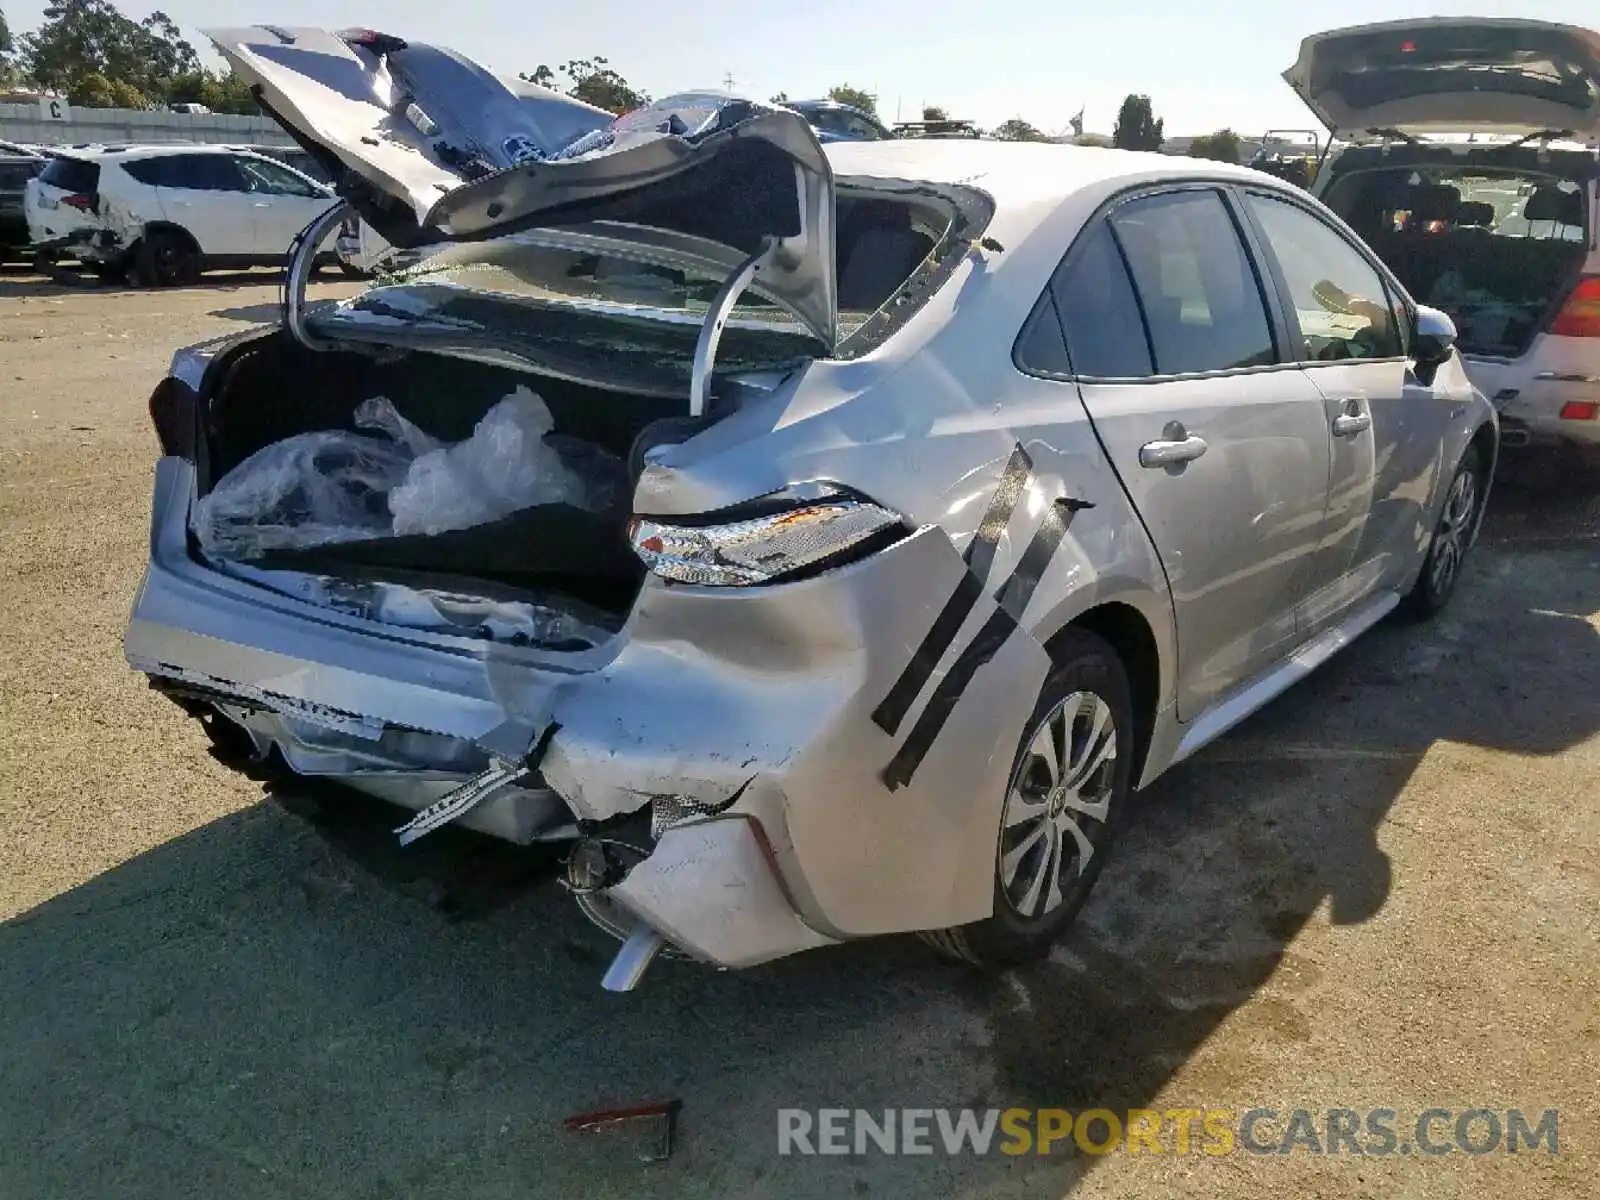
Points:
(331, 486)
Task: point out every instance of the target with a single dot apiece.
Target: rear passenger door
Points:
(206, 195)
(1386, 426)
(1222, 446)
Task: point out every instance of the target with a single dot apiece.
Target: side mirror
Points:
(1433, 339)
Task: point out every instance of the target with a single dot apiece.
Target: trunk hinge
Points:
(705, 349)
(302, 261)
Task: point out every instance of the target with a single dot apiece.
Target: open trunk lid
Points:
(430, 146)
(1452, 74)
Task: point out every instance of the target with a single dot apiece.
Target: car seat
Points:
(1551, 203)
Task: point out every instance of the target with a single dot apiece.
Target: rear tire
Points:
(167, 258)
(1452, 538)
(1068, 789)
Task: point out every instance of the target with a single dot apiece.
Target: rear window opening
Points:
(620, 320)
(1497, 249)
(72, 175)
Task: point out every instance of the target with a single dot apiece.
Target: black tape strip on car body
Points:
(1000, 626)
(1013, 597)
(979, 558)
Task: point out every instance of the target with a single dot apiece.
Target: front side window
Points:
(1339, 299)
(1201, 301)
(274, 180)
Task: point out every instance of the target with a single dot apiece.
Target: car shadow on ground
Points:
(285, 1003)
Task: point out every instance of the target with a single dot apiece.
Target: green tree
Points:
(932, 112)
(92, 91)
(855, 98)
(231, 93)
(79, 38)
(1137, 126)
(780, 98)
(1018, 130)
(594, 82)
(1221, 146)
(7, 48)
(542, 75)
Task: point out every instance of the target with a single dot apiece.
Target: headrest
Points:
(1474, 213)
(1434, 202)
(1550, 203)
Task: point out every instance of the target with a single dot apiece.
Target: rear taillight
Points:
(1579, 410)
(80, 202)
(1580, 315)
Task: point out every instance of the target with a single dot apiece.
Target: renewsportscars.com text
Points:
(1375, 1132)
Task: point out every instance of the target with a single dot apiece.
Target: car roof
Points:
(118, 150)
(1016, 172)
(1029, 182)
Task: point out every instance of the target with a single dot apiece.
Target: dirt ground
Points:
(1384, 891)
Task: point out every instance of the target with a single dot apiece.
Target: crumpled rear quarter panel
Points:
(775, 689)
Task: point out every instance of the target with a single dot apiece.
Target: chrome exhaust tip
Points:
(633, 959)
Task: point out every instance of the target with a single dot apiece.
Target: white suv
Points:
(170, 212)
(1473, 169)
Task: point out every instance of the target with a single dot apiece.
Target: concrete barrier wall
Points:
(28, 123)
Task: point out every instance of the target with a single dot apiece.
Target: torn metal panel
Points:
(782, 687)
(441, 146)
(735, 913)
(483, 786)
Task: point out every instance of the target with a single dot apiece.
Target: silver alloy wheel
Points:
(1065, 778)
(1450, 542)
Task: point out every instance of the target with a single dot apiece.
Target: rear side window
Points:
(149, 171)
(72, 175)
(1340, 301)
(202, 173)
(1202, 303)
(1099, 312)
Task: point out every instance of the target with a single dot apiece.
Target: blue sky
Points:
(985, 60)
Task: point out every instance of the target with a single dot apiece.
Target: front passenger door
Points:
(282, 203)
(1221, 446)
(1386, 425)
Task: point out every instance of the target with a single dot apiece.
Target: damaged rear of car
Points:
(1473, 172)
(433, 542)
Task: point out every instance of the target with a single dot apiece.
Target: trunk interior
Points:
(1497, 246)
(275, 389)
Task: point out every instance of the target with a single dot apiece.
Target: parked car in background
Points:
(945, 128)
(1502, 232)
(835, 122)
(168, 213)
(881, 531)
(16, 169)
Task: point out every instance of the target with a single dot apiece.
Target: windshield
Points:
(1491, 246)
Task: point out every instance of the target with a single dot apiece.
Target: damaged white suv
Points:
(822, 543)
